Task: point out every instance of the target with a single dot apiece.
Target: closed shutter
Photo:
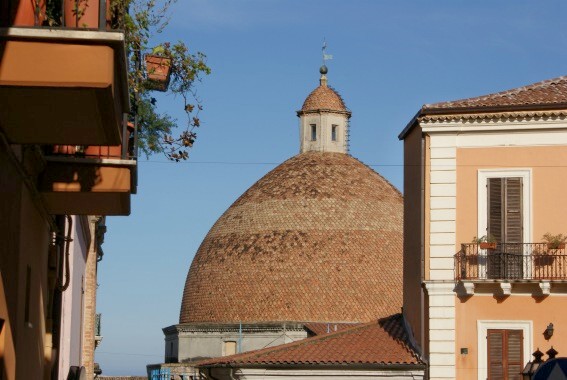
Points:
(495, 217)
(505, 354)
(495, 354)
(513, 207)
(505, 222)
(514, 353)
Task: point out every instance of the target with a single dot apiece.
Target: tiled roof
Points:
(547, 92)
(317, 239)
(547, 98)
(324, 98)
(317, 328)
(376, 343)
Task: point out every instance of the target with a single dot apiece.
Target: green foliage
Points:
(142, 22)
(159, 133)
(554, 241)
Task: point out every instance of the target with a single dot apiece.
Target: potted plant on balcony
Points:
(485, 242)
(555, 241)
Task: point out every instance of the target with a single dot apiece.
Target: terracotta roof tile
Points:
(382, 342)
(317, 239)
(324, 98)
(548, 92)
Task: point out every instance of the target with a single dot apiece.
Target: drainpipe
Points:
(422, 255)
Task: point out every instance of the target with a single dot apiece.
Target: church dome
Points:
(317, 239)
(324, 98)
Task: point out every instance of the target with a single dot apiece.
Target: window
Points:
(334, 133)
(504, 204)
(313, 132)
(504, 224)
(505, 354)
(229, 348)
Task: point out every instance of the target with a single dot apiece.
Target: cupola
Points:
(323, 119)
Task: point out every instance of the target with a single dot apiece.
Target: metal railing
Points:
(97, 329)
(511, 261)
(126, 151)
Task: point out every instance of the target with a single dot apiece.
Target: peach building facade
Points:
(492, 167)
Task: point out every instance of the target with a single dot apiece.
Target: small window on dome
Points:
(313, 132)
(334, 132)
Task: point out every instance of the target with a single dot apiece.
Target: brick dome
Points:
(324, 98)
(318, 239)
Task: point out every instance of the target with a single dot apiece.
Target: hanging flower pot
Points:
(158, 69)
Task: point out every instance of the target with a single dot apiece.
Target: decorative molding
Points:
(545, 287)
(506, 288)
(485, 118)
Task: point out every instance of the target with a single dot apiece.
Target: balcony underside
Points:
(58, 90)
(87, 187)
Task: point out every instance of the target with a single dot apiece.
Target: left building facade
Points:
(65, 163)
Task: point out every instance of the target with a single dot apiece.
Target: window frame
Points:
(526, 175)
(313, 132)
(334, 134)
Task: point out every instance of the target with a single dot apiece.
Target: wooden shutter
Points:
(514, 348)
(513, 207)
(495, 202)
(505, 354)
(495, 352)
(505, 222)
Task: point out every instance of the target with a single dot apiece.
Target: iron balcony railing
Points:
(511, 261)
(127, 150)
(98, 317)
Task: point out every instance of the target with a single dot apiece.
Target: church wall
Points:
(189, 345)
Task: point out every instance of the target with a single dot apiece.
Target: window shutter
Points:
(495, 352)
(513, 216)
(514, 353)
(505, 354)
(495, 209)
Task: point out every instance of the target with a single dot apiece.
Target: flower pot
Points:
(84, 13)
(486, 245)
(114, 151)
(30, 13)
(542, 260)
(555, 245)
(158, 69)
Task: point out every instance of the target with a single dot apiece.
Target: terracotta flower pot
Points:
(84, 13)
(109, 151)
(486, 245)
(159, 71)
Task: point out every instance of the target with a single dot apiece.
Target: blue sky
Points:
(390, 57)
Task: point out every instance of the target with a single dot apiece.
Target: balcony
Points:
(511, 261)
(97, 332)
(89, 180)
(62, 85)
